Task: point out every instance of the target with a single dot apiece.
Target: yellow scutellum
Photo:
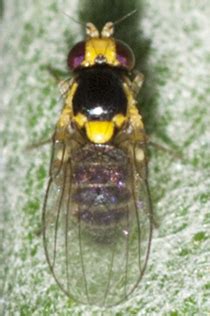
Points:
(99, 132)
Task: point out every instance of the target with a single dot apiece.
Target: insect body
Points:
(97, 214)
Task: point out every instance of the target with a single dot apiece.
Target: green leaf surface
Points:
(173, 51)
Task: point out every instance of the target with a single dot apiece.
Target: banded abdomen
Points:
(100, 186)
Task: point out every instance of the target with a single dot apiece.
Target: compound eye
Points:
(125, 55)
(76, 55)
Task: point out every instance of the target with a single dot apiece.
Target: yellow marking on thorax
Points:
(100, 46)
(80, 119)
(119, 120)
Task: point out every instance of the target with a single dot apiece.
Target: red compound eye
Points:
(76, 55)
(125, 55)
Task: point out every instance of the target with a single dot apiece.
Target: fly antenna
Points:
(125, 17)
(74, 20)
(108, 28)
(91, 30)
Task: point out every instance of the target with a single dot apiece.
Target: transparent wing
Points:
(96, 239)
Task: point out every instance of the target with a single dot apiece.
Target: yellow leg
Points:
(64, 86)
(64, 123)
(137, 82)
(134, 118)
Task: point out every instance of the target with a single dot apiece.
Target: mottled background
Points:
(171, 42)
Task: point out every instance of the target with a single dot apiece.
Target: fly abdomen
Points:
(101, 195)
(107, 218)
(100, 186)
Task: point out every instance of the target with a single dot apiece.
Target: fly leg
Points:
(171, 152)
(39, 144)
(63, 126)
(56, 73)
(134, 84)
(132, 89)
(135, 126)
(63, 84)
(67, 89)
(137, 82)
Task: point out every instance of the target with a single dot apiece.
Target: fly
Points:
(97, 213)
